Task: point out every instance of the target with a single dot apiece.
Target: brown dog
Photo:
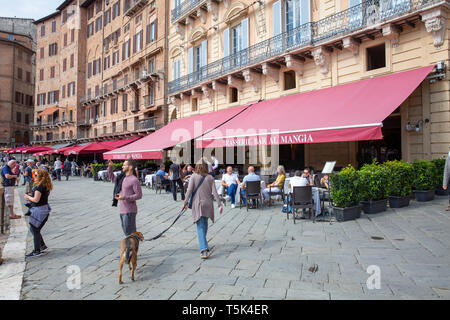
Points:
(128, 253)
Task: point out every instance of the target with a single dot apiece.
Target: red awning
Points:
(35, 149)
(176, 132)
(347, 112)
(97, 147)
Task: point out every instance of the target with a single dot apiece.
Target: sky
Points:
(32, 9)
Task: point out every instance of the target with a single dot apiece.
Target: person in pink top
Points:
(130, 191)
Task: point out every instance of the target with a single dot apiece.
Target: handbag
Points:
(195, 191)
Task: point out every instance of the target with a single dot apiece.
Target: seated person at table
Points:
(276, 186)
(250, 177)
(308, 177)
(186, 176)
(230, 182)
(164, 178)
(297, 181)
(324, 182)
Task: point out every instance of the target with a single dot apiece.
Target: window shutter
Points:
(142, 39)
(134, 43)
(147, 39)
(156, 28)
(276, 9)
(63, 91)
(226, 42)
(89, 69)
(244, 31)
(123, 51)
(191, 59)
(174, 70)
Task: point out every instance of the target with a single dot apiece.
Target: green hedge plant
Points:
(425, 173)
(400, 177)
(97, 167)
(374, 179)
(439, 165)
(344, 187)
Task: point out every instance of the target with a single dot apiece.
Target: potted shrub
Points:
(344, 187)
(439, 164)
(96, 167)
(424, 181)
(374, 187)
(400, 177)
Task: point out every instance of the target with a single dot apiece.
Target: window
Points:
(197, 58)
(126, 5)
(42, 53)
(64, 16)
(90, 29)
(18, 117)
(28, 77)
(19, 73)
(125, 124)
(72, 35)
(176, 69)
(20, 54)
(126, 50)
(90, 12)
(17, 97)
(65, 39)
(151, 65)
(97, 90)
(63, 91)
(126, 28)
(115, 58)
(138, 19)
(289, 80)
(376, 57)
(139, 42)
(41, 99)
(98, 6)
(53, 26)
(27, 118)
(107, 17)
(116, 10)
(153, 4)
(64, 64)
(98, 24)
(71, 89)
(52, 72)
(72, 60)
(124, 102)
(52, 49)
(42, 30)
(28, 58)
(106, 63)
(89, 93)
(41, 75)
(89, 69)
(153, 31)
(234, 95)
(104, 108)
(194, 104)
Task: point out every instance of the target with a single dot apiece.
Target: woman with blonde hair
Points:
(198, 198)
(40, 210)
(276, 186)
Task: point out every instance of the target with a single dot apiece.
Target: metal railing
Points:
(184, 8)
(366, 14)
(134, 7)
(145, 124)
(108, 89)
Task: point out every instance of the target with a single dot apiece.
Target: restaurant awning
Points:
(176, 132)
(98, 147)
(48, 111)
(348, 112)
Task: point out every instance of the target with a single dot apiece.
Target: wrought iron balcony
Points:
(185, 7)
(134, 7)
(368, 13)
(145, 124)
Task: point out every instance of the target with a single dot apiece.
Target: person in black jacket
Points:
(117, 187)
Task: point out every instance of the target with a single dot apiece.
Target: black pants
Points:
(37, 236)
(167, 184)
(174, 189)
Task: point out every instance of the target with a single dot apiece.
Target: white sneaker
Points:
(233, 206)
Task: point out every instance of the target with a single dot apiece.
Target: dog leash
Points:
(176, 219)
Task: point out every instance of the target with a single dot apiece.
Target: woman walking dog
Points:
(201, 186)
(39, 210)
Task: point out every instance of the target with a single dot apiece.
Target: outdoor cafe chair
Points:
(276, 193)
(302, 199)
(158, 183)
(252, 192)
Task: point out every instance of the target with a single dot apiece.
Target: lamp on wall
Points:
(417, 126)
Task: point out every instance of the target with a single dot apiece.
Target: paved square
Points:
(258, 254)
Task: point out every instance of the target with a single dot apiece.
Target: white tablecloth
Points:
(149, 180)
(102, 174)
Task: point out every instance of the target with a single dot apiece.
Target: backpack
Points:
(34, 174)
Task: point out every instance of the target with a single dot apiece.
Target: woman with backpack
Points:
(201, 186)
(40, 210)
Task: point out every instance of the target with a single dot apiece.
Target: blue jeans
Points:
(232, 192)
(202, 229)
(244, 200)
(58, 174)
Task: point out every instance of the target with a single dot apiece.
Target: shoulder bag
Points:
(195, 191)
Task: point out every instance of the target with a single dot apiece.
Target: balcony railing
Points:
(134, 7)
(366, 14)
(185, 7)
(146, 124)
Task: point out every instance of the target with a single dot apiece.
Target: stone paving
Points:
(258, 254)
